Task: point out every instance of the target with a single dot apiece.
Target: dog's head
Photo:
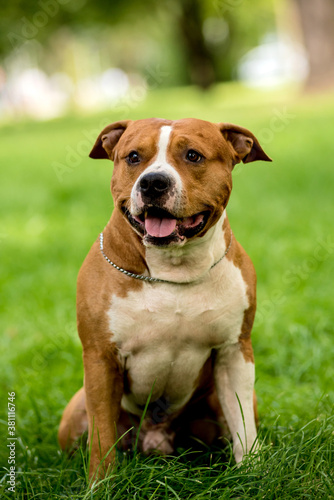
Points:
(172, 179)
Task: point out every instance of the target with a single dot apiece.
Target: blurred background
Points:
(63, 55)
(70, 67)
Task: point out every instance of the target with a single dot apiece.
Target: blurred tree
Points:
(197, 41)
(200, 60)
(317, 20)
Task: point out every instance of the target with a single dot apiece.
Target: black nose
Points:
(154, 184)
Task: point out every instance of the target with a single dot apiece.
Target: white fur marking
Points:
(163, 144)
(160, 164)
(165, 333)
(235, 380)
(191, 261)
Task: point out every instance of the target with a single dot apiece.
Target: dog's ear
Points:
(245, 145)
(107, 140)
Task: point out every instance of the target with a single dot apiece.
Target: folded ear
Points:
(245, 145)
(107, 140)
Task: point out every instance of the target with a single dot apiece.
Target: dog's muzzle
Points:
(156, 212)
(154, 185)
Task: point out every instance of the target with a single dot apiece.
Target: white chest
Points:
(165, 333)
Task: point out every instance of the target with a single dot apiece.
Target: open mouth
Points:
(161, 227)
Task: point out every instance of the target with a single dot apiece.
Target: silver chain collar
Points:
(156, 280)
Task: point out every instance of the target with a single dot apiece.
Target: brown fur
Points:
(99, 403)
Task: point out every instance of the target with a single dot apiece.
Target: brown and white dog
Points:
(183, 338)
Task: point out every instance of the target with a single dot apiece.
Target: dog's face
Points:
(172, 179)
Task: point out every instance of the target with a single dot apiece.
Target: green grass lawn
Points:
(55, 201)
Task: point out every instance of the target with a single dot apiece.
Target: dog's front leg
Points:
(104, 389)
(234, 378)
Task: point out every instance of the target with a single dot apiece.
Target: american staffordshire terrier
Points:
(167, 296)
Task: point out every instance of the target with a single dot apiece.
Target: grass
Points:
(282, 213)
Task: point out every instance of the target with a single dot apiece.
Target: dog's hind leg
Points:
(74, 421)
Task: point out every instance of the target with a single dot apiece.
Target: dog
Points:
(166, 297)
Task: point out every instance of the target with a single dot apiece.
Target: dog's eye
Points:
(193, 156)
(133, 157)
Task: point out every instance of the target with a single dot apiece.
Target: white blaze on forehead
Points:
(160, 164)
(163, 144)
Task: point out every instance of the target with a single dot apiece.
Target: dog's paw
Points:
(157, 441)
(240, 453)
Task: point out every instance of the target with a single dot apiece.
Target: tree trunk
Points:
(317, 20)
(200, 63)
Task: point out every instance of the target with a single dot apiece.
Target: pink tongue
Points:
(193, 221)
(160, 228)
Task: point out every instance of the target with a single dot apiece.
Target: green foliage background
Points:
(131, 35)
